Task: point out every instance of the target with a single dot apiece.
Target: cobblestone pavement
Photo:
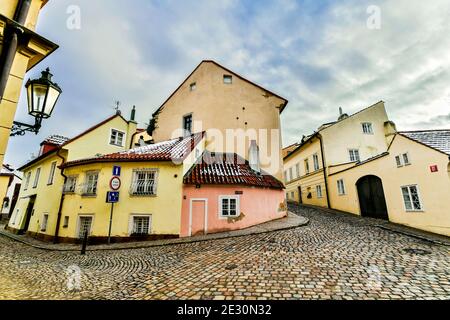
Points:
(334, 257)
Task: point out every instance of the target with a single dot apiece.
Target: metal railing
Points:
(143, 188)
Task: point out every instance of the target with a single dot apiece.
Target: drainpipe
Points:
(324, 170)
(11, 43)
(61, 201)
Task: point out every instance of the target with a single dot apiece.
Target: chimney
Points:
(390, 131)
(253, 156)
(133, 114)
(342, 115)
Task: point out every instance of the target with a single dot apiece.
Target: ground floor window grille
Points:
(85, 226)
(141, 226)
(144, 183)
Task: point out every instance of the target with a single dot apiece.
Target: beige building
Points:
(231, 109)
(374, 171)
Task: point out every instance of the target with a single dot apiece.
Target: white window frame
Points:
(306, 164)
(86, 183)
(316, 163)
(227, 76)
(352, 155)
(297, 170)
(410, 198)
(134, 183)
(36, 178)
(403, 158)
(73, 178)
(398, 161)
(319, 191)
(139, 215)
(238, 206)
(341, 187)
(44, 222)
(51, 175)
(115, 142)
(77, 230)
(367, 127)
(291, 174)
(286, 179)
(27, 181)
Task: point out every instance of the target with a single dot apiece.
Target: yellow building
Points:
(216, 100)
(374, 171)
(40, 194)
(20, 50)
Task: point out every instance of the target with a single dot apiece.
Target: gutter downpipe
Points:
(61, 201)
(11, 44)
(324, 169)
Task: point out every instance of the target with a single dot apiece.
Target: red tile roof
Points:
(175, 150)
(228, 168)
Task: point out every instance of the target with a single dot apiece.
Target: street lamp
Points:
(42, 95)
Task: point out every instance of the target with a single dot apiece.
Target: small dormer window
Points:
(116, 138)
(193, 86)
(227, 79)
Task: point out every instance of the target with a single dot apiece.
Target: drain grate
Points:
(419, 252)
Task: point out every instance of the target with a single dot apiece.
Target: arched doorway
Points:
(371, 197)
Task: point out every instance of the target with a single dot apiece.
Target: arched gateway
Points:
(371, 197)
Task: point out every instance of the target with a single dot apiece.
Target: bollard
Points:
(83, 246)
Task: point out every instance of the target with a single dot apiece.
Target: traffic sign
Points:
(112, 196)
(116, 171)
(115, 183)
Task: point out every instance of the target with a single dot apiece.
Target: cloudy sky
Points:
(320, 55)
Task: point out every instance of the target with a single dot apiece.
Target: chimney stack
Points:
(253, 157)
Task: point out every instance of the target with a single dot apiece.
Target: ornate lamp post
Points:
(42, 95)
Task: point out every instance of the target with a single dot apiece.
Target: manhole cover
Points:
(419, 252)
(230, 266)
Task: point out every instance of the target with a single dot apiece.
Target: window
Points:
(398, 160)
(141, 225)
(285, 176)
(292, 195)
(287, 195)
(341, 187)
(306, 166)
(91, 183)
(319, 191)
(227, 79)
(187, 124)
(36, 178)
(84, 226)
(291, 175)
(367, 128)
(44, 222)
(297, 170)
(27, 181)
(117, 138)
(66, 222)
(411, 198)
(52, 173)
(229, 206)
(354, 155)
(71, 184)
(193, 86)
(144, 182)
(406, 159)
(316, 162)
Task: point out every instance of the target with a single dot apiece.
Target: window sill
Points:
(142, 195)
(116, 145)
(89, 195)
(415, 211)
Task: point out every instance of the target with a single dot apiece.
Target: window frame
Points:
(238, 206)
(316, 163)
(36, 178)
(319, 194)
(291, 173)
(123, 137)
(352, 151)
(403, 159)
(343, 191)
(193, 86)
(297, 169)
(370, 124)
(75, 179)
(183, 122)
(133, 189)
(306, 164)
(51, 174)
(44, 223)
(27, 181)
(77, 230)
(66, 222)
(228, 76)
(422, 209)
(131, 224)
(398, 161)
(85, 189)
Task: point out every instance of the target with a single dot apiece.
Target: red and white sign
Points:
(434, 168)
(115, 183)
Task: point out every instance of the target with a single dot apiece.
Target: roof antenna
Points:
(117, 106)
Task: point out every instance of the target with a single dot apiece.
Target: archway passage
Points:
(371, 197)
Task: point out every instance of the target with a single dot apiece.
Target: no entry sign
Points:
(115, 183)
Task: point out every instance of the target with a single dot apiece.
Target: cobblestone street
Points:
(334, 257)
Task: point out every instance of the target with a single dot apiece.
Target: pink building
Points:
(223, 193)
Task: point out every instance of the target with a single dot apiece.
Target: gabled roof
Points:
(227, 70)
(435, 139)
(302, 143)
(60, 146)
(175, 150)
(228, 169)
